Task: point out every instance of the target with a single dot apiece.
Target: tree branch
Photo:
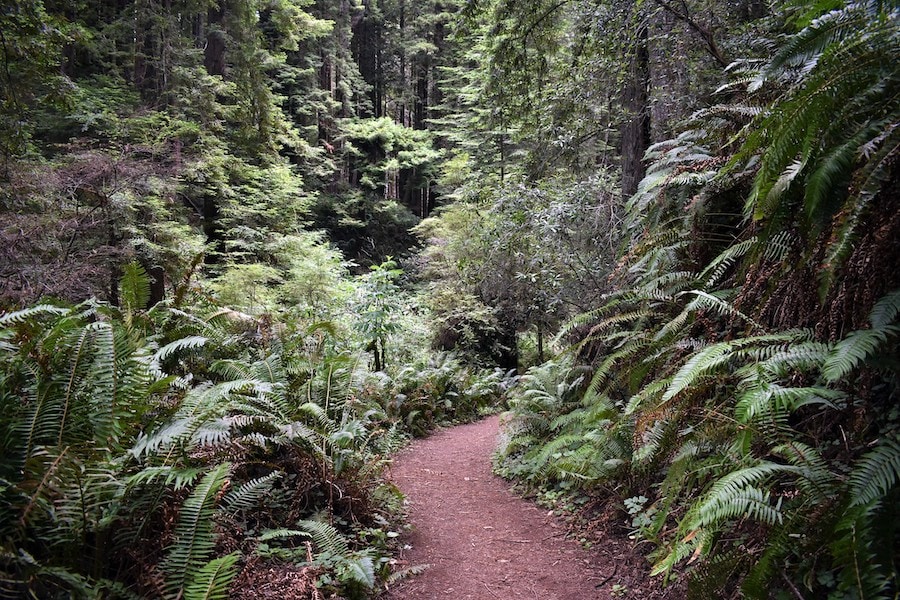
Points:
(704, 33)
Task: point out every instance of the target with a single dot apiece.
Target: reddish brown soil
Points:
(482, 542)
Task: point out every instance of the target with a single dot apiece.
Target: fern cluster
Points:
(160, 452)
(743, 378)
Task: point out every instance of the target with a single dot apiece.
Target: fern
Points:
(194, 536)
(325, 537)
(875, 474)
(352, 567)
(700, 365)
(211, 582)
(190, 342)
(850, 352)
(885, 310)
(20, 316)
(179, 478)
(735, 496)
(359, 569)
(712, 302)
(872, 178)
(716, 269)
(746, 502)
(407, 572)
(770, 399)
(134, 287)
(860, 574)
(652, 440)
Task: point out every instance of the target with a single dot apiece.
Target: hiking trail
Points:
(481, 541)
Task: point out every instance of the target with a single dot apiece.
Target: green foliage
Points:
(30, 54)
(211, 582)
(152, 450)
(187, 559)
(187, 425)
(388, 147)
(717, 382)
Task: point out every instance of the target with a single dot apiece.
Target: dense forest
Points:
(248, 248)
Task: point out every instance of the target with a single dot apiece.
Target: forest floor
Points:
(482, 542)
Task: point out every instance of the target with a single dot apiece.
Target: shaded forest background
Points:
(248, 246)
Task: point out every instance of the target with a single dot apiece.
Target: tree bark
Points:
(636, 129)
(214, 53)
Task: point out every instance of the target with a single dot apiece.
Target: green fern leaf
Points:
(195, 539)
(850, 352)
(325, 537)
(875, 474)
(885, 310)
(25, 314)
(134, 287)
(190, 342)
(358, 568)
(700, 365)
(249, 494)
(212, 581)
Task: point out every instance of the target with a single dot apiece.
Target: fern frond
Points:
(407, 572)
(851, 351)
(816, 478)
(103, 384)
(651, 440)
(213, 580)
(718, 266)
(134, 287)
(179, 478)
(885, 310)
(875, 474)
(860, 573)
(868, 182)
(804, 356)
(358, 568)
(20, 316)
(712, 302)
(195, 539)
(190, 342)
(277, 534)
(769, 399)
(733, 497)
(699, 365)
(325, 537)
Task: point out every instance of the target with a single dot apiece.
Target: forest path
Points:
(483, 542)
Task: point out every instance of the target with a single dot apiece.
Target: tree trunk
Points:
(214, 54)
(636, 129)
(540, 343)
(365, 46)
(157, 285)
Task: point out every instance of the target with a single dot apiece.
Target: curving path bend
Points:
(481, 541)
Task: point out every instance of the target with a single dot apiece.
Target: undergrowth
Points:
(173, 452)
(738, 393)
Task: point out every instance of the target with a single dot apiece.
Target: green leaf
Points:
(211, 582)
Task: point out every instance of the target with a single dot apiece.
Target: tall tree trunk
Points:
(366, 48)
(636, 129)
(540, 343)
(214, 53)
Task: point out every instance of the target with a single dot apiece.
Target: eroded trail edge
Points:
(480, 540)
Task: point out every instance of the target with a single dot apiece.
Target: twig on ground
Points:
(605, 581)
(792, 587)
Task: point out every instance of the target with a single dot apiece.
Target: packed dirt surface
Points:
(482, 542)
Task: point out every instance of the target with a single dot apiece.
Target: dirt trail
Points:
(482, 542)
